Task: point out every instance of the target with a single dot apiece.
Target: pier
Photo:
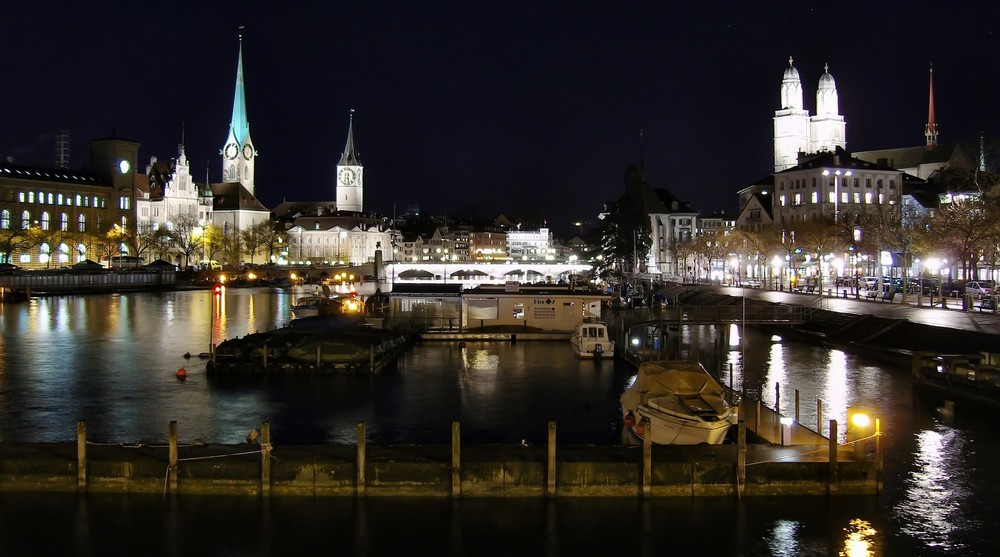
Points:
(263, 469)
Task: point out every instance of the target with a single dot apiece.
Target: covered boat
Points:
(685, 405)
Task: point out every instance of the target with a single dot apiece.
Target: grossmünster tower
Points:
(238, 154)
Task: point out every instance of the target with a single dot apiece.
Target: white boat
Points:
(591, 340)
(685, 405)
(307, 306)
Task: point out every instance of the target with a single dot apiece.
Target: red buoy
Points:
(181, 373)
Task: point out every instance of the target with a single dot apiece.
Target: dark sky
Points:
(479, 107)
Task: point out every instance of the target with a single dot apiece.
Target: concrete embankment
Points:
(454, 470)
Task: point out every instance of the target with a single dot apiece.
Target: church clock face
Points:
(231, 151)
(247, 151)
(347, 176)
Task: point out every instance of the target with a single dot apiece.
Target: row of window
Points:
(50, 198)
(45, 221)
(845, 197)
(799, 184)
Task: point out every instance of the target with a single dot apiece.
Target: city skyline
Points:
(463, 109)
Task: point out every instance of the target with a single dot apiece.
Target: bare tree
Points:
(183, 237)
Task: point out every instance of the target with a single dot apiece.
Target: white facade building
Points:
(530, 245)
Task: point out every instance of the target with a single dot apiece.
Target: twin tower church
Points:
(796, 131)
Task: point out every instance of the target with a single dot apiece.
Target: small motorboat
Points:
(591, 340)
(684, 404)
(308, 306)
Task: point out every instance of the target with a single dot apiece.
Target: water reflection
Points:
(859, 540)
(784, 538)
(936, 489)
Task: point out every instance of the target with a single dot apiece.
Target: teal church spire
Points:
(239, 124)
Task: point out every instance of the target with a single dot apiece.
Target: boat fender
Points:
(629, 420)
(181, 373)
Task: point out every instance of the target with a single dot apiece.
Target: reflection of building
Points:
(69, 212)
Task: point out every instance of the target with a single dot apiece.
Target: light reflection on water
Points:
(937, 489)
(111, 360)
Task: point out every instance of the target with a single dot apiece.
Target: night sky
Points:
(472, 107)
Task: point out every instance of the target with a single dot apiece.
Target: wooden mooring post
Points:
(831, 485)
(361, 460)
(741, 459)
(265, 456)
(819, 416)
(550, 468)
(647, 457)
(81, 455)
(172, 456)
(456, 459)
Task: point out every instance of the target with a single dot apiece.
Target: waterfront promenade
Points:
(953, 317)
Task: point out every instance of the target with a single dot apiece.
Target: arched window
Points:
(44, 253)
(81, 223)
(5, 219)
(45, 221)
(64, 222)
(25, 220)
(79, 200)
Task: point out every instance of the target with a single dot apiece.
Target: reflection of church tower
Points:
(238, 154)
(931, 129)
(791, 122)
(827, 128)
(350, 176)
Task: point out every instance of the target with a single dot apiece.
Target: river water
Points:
(112, 361)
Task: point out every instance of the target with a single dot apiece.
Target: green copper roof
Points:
(239, 124)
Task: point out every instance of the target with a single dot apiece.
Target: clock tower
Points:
(350, 175)
(238, 153)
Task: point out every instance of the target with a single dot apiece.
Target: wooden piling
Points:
(361, 460)
(647, 457)
(172, 457)
(831, 485)
(797, 406)
(550, 476)
(81, 455)
(456, 460)
(741, 459)
(819, 416)
(878, 456)
(265, 457)
(319, 356)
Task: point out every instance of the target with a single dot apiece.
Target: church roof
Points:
(790, 72)
(671, 204)
(350, 155)
(232, 196)
(911, 157)
(56, 175)
(826, 80)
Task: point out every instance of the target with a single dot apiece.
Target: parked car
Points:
(925, 286)
(979, 288)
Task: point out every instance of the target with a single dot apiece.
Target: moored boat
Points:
(685, 405)
(591, 340)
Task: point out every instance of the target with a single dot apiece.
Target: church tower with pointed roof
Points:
(350, 175)
(238, 153)
(931, 129)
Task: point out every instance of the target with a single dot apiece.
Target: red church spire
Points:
(931, 130)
